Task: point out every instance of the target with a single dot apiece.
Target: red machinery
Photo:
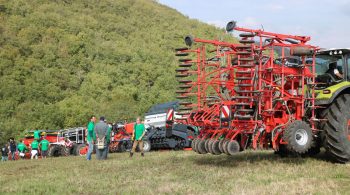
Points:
(242, 95)
(121, 138)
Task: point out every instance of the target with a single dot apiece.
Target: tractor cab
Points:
(332, 67)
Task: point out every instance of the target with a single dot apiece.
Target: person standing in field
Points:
(22, 148)
(36, 135)
(5, 153)
(101, 130)
(35, 147)
(90, 137)
(44, 147)
(108, 141)
(139, 132)
(13, 148)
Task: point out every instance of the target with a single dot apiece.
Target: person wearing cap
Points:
(101, 130)
(35, 147)
(91, 137)
(139, 132)
(44, 147)
(22, 148)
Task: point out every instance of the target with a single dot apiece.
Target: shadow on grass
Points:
(252, 157)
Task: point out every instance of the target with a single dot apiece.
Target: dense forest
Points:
(62, 61)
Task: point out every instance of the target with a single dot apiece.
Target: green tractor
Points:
(333, 99)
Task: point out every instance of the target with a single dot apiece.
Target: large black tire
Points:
(338, 129)
(54, 151)
(233, 147)
(65, 151)
(201, 147)
(215, 147)
(210, 146)
(146, 146)
(206, 146)
(299, 136)
(78, 148)
(221, 143)
(224, 146)
(193, 143)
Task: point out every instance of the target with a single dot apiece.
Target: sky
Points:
(326, 21)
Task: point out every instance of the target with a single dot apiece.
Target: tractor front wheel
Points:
(298, 134)
(337, 129)
(54, 151)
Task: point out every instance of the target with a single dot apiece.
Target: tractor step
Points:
(182, 97)
(242, 116)
(181, 49)
(184, 109)
(181, 54)
(185, 65)
(185, 60)
(244, 110)
(184, 86)
(243, 72)
(246, 91)
(244, 78)
(247, 35)
(243, 85)
(244, 47)
(182, 75)
(242, 97)
(246, 41)
(182, 70)
(246, 59)
(184, 81)
(246, 65)
(243, 53)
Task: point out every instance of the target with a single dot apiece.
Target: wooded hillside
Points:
(62, 61)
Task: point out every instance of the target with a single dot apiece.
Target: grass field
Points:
(176, 172)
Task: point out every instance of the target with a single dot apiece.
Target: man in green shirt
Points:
(22, 148)
(44, 147)
(139, 132)
(91, 136)
(35, 146)
(36, 135)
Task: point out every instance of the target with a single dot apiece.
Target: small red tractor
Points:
(121, 137)
(267, 91)
(57, 146)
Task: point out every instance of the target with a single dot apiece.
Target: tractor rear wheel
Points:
(54, 151)
(298, 134)
(233, 147)
(215, 149)
(201, 147)
(337, 129)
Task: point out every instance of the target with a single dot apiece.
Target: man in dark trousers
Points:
(13, 148)
(101, 130)
(4, 152)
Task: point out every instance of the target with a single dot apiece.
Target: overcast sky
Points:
(326, 21)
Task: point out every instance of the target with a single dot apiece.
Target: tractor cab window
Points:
(329, 70)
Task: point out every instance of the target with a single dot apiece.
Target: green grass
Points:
(182, 172)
